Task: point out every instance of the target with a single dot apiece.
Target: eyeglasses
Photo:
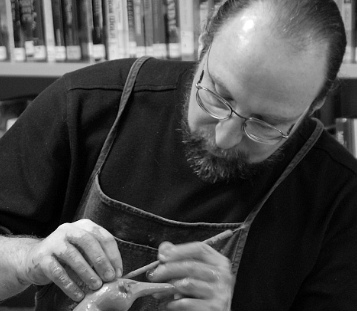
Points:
(257, 130)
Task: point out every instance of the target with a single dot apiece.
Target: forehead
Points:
(258, 61)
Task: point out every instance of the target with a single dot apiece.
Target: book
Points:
(148, 27)
(58, 28)
(99, 52)
(18, 34)
(49, 34)
(85, 27)
(346, 133)
(123, 29)
(160, 46)
(71, 30)
(348, 14)
(3, 31)
(40, 53)
(173, 29)
(131, 27)
(6, 31)
(26, 9)
(111, 30)
(187, 29)
(139, 28)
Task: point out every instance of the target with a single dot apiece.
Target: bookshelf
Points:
(33, 69)
(348, 71)
(55, 70)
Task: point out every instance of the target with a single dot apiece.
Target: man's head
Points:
(269, 60)
(300, 23)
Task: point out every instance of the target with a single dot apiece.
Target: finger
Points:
(183, 304)
(185, 268)
(189, 287)
(74, 259)
(55, 272)
(110, 248)
(107, 242)
(196, 250)
(95, 254)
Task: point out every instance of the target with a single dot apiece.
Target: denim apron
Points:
(139, 233)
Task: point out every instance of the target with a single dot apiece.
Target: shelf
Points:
(38, 69)
(348, 71)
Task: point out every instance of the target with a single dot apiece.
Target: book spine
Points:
(354, 137)
(139, 28)
(48, 30)
(85, 25)
(340, 131)
(3, 31)
(348, 8)
(40, 53)
(6, 28)
(131, 28)
(148, 27)
(60, 47)
(19, 37)
(123, 29)
(346, 133)
(99, 51)
(196, 27)
(27, 19)
(111, 28)
(173, 29)
(186, 29)
(160, 46)
(71, 31)
(203, 16)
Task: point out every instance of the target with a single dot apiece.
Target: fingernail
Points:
(109, 275)
(150, 273)
(95, 283)
(162, 257)
(79, 295)
(119, 272)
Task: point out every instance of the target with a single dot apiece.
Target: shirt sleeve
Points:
(34, 164)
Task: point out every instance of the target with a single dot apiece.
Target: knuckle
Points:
(99, 260)
(185, 284)
(84, 222)
(190, 265)
(106, 238)
(57, 271)
(71, 254)
(205, 248)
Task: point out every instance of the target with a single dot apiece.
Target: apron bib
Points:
(139, 233)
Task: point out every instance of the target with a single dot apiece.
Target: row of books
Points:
(348, 9)
(97, 30)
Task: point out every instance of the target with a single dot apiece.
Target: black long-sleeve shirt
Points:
(301, 252)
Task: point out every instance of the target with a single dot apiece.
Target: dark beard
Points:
(223, 165)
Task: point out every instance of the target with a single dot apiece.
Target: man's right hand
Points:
(88, 249)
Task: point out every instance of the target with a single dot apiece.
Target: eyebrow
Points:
(269, 116)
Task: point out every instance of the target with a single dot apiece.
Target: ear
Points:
(318, 105)
(202, 43)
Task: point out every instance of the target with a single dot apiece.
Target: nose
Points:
(229, 133)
